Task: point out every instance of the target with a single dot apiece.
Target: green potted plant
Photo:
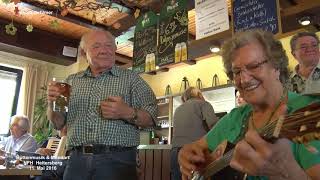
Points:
(41, 124)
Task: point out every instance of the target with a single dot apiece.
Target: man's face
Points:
(307, 50)
(100, 51)
(16, 129)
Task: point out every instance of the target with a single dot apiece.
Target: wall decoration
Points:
(173, 33)
(248, 14)
(145, 43)
(211, 17)
(29, 28)
(11, 29)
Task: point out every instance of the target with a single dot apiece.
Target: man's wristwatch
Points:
(134, 117)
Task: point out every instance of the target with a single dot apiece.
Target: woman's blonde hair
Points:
(191, 92)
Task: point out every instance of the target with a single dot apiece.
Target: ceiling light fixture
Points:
(214, 49)
(304, 20)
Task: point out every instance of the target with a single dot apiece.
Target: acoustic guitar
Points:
(301, 127)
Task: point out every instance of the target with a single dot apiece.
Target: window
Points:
(10, 82)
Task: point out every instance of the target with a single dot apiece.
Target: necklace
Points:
(284, 94)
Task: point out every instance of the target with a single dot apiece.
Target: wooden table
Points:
(17, 174)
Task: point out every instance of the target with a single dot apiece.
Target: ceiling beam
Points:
(37, 6)
(35, 44)
(307, 4)
(123, 59)
(69, 17)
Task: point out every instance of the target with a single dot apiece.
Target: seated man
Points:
(20, 139)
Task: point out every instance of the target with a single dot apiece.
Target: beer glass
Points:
(184, 53)
(152, 62)
(62, 101)
(177, 53)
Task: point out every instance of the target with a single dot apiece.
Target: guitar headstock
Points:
(303, 125)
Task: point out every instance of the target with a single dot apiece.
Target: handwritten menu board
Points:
(211, 17)
(173, 33)
(145, 43)
(250, 14)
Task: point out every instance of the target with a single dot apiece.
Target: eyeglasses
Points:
(12, 125)
(249, 68)
(304, 47)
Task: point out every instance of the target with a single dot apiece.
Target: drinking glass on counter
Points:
(62, 101)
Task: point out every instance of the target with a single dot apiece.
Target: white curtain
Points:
(35, 78)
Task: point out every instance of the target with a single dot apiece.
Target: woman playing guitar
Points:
(257, 62)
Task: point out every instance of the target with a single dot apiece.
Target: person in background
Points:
(191, 121)
(257, 62)
(239, 99)
(107, 106)
(20, 139)
(56, 174)
(306, 75)
(43, 150)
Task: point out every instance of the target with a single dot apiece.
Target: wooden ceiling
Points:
(75, 17)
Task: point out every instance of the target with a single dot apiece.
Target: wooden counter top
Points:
(155, 146)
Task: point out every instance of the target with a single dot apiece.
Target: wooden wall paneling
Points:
(166, 164)
(142, 168)
(157, 162)
(149, 164)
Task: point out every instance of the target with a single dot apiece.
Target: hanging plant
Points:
(10, 29)
(54, 24)
(16, 11)
(16, 1)
(136, 13)
(5, 1)
(94, 19)
(64, 12)
(29, 28)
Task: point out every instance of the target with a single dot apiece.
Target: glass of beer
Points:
(177, 53)
(184, 52)
(62, 101)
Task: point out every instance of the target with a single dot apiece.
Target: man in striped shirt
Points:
(106, 108)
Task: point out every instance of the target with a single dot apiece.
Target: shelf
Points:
(165, 68)
(163, 117)
(164, 103)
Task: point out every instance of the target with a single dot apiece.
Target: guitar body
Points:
(226, 173)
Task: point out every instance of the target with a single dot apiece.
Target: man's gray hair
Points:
(84, 37)
(22, 120)
(293, 41)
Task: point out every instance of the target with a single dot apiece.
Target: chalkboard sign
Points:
(251, 14)
(173, 33)
(145, 43)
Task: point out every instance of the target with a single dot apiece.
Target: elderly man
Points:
(306, 76)
(106, 108)
(20, 139)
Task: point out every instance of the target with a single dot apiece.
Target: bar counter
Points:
(154, 162)
(155, 146)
